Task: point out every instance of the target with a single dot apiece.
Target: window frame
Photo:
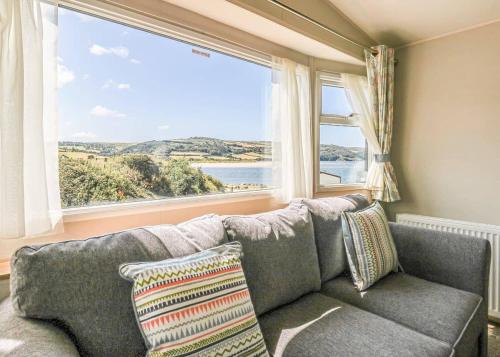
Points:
(335, 80)
(170, 30)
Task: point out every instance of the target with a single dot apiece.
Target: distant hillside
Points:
(204, 149)
(341, 153)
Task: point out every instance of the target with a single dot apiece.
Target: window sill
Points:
(4, 270)
(81, 223)
(341, 188)
(120, 209)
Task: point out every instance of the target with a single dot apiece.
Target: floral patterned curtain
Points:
(381, 178)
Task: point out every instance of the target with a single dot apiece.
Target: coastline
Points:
(251, 164)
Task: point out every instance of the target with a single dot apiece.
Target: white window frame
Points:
(173, 31)
(335, 80)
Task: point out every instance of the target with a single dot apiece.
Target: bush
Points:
(144, 165)
(84, 182)
(186, 180)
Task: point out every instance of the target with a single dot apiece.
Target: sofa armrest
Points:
(21, 336)
(456, 260)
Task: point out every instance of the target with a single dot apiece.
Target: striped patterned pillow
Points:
(369, 245)
(196, 305)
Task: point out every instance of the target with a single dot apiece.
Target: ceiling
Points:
(399, 22)
(250, 22)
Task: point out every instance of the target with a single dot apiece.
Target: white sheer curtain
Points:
(29, 189)
(358, 96)
(291, 130)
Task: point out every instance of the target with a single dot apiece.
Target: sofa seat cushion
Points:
(432, 309)
(77, 283)
(279, 255)
(317, 325)
(326, 216)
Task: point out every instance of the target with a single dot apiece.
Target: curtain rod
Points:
(324, 27)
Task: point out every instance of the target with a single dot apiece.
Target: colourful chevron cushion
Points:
(369, 245)
(196, 305)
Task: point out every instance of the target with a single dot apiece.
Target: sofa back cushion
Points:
(326, 215)
(77, 283)
(279, 255)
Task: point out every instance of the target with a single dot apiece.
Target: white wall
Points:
(446, 145)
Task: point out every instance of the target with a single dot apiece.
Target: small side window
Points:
(342, 151)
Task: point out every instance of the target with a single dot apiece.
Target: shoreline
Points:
(255, 164)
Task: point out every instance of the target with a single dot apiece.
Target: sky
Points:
(120, 84)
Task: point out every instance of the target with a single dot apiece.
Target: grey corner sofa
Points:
(67, 299)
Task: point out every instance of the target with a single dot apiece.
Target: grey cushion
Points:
(21, 337)
(325, 213)
(279, 255)
(77, 282)
(317, 325)
(433, 309)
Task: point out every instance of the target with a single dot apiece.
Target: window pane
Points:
(334, 101)
(145, 117)
(342, 155)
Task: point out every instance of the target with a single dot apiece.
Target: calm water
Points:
(349, 171)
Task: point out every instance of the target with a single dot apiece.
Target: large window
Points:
(342, 150)
(145, 117)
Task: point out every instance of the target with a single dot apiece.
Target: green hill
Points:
(204, 149)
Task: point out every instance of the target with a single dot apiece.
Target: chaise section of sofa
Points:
(435, 310)
(318, 325)
(68, 299)
(454, 260)
(442, 294)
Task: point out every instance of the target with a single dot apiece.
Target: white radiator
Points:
(486, 231)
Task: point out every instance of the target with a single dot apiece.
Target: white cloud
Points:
(84, 17)
(85, 135)
(100, 111)
(163, 127)
(64, 75)
(123, 86)
(112, 84)
(119, 51)
(86, 76)
(135, 61)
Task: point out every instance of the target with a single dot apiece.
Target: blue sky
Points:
(120, 84)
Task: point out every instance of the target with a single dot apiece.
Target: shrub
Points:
(82, 183)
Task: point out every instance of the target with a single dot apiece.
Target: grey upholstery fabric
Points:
(455, 260)
(325, 213)
(279, 255)
(435, 310)
(470, 343)
(78, 284)
(317, 326)
(21, 337)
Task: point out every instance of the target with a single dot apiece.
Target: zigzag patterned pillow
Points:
(196, 305)
(370, 248)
